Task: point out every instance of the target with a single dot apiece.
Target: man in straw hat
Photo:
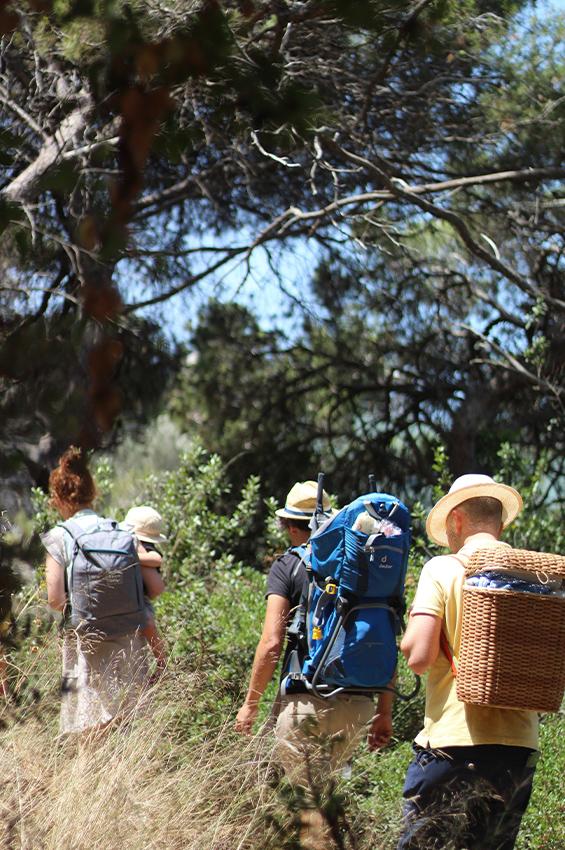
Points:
(285, 582)
(471, 776)
(312, 734)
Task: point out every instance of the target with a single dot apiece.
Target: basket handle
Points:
(506, 558)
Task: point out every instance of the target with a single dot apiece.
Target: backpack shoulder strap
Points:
(74, 529)
(303, 555)
(296, 630)
(462, 561)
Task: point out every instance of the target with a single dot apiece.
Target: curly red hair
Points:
(71, 486)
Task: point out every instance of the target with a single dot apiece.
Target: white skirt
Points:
(102, 680)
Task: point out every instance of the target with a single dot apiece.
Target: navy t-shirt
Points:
(286, 577)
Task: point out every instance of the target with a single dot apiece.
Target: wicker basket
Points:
(512, 651)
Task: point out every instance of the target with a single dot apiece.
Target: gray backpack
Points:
(104, 582)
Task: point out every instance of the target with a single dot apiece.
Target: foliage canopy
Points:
(416, 149)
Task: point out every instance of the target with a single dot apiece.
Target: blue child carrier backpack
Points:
(354, 602)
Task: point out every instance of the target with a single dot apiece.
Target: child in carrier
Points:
(146, 524)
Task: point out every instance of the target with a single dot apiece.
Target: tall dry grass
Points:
(150, 782)
(171, 775)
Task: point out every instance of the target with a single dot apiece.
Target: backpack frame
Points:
(354, 608)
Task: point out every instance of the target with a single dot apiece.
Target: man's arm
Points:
(266, 657)
(420, 644)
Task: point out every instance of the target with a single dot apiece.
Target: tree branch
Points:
(21, 113)
(402, 191)
(23, 187)
(186, 284)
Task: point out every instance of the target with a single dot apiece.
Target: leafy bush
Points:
(192, 499)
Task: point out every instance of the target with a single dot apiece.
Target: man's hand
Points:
(245, 718)
(380, 731)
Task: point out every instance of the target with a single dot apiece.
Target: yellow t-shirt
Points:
(449, 722)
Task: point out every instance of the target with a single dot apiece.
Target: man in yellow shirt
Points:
(471, 777)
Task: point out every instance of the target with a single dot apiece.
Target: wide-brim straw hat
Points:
(471, 486)
(146, 523)
(301, 501)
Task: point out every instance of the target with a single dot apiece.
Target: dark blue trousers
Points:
(466, 798)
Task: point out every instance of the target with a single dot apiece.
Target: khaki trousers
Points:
(315, 737)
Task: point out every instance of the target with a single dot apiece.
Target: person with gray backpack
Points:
(94, 578)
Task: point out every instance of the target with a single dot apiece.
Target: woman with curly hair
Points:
(102, 676)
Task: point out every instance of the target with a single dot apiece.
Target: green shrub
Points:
(203, 535)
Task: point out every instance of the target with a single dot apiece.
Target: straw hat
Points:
(146, 523)
(301, 501)
(471, 487)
